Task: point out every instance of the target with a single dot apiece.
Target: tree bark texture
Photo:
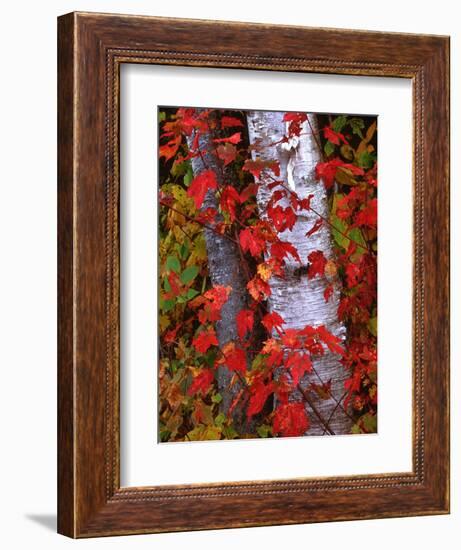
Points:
(224, 268)
(297, 299)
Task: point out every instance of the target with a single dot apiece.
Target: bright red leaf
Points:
(252, 242)
(290, 420)
(368, 215)
(328, 292)
(290, 338)
(230, 122)
(245, 320)
(202, 382)
(255, 167)
(200, 185)
(334, 137)
(259, 392)
(317, 225)
(298, 364)
(229, 201)
(169, 150)
(234, 138)
(205, 340)
(295, 121)
(271, 321)
(282, 218)
(282, 249)
(317, 263)
(258, 289)
(235, 359)
(333, 342)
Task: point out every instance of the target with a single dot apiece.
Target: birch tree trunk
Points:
(224, 268)
(297, 299)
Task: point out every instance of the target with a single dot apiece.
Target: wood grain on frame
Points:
(90, 499)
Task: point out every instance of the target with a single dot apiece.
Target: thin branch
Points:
(309, 401)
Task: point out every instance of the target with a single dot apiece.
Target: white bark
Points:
(297, 299)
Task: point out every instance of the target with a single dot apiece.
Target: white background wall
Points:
(28, 272)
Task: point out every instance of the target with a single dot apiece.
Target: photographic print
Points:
(267, 274)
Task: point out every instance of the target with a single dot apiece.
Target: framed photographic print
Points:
(250, 333)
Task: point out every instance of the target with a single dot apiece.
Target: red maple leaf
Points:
(207, 216)
(234, 138)
(295, 120)
(169, 150)
(299, 364)
(317, 263)
(328, 292)
(200, 185)
(244, 320)
(305, 204)
(251, 241)
(226, 153)
(202, 382)
(175, 283)
(290, 338)
(326, 171)
(353, 274)
(281, 249)
(204, 340)
(229, 201)
(259, 392)
(334, 137)
(290, 420)
(317, 225)
(249, 192)
(332, 341)
(235, 359)
(258, 289)
(368, 215)
(271, 321)
(216, 297)
(282, 218)
(230, 122)
(255, 167)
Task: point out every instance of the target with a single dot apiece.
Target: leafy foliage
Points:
(191, 404)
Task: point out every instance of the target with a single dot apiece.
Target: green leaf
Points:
(229, 432)
(357, 125)
(184, 251)
(220, 419)
(191, 293)
(167, 305)
(369, 422)
(372, 325)
(189, 274)
(172, 264)
(217, 398)
(366, 160)
(161, 116)
(166, 284)
(204, 433)
(340, 229)
(356, 429)
(264, 431)
(329, 148)
(339, 123)
(189, 175)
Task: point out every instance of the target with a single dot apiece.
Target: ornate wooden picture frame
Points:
(92, 48)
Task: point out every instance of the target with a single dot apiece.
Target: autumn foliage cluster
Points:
(267, 361)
